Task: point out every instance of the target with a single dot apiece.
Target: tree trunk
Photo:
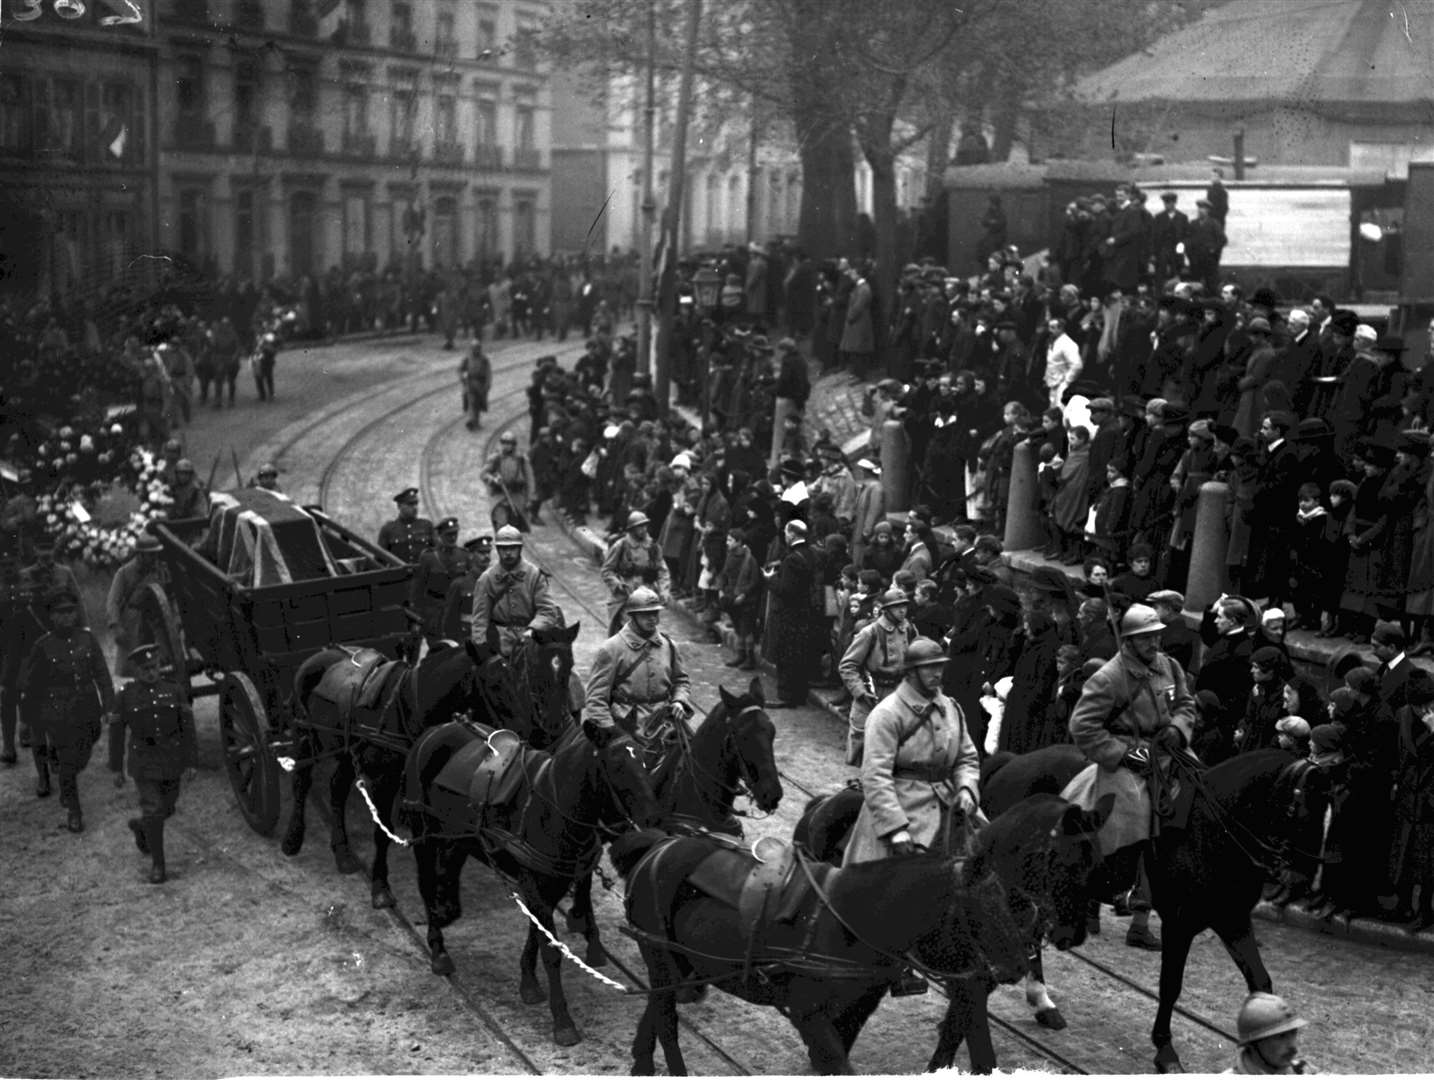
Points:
(826, 226)
(883, 205)
(938, 154)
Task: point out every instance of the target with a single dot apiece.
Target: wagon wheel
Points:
(162, 627)
(252, 766)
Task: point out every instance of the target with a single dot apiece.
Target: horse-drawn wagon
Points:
(256, 588)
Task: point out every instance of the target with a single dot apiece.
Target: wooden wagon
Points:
(258, 587)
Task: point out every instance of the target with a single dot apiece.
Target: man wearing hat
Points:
(512, 598)
(162, 750)
(458, 604)
(1138, 705)
(633, 561)
(919, 767)
(65, 689)
(190, 500)
(873, 664)
(798, 604)
(123, 612)
(46, 574)
(438, 567)
(1180, 641)
(1203, 245)
(635, 672)
(510, 479)
(869, 509)
(1364, 381)
(1168, 233)
(407, 536)
(1268, 1033)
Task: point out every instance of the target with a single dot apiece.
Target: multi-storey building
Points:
(78, 158)
(305, 134)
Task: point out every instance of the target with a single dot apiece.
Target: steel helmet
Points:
(1140, 619)
(636, 518)
(892, 598)
(643, 599)
(923, 652)
(1264, 1015)
(508, 437)
(508, 536)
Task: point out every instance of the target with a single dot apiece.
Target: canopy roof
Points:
(1308, 54)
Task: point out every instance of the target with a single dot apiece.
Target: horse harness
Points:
(668, 745)
(366, 690)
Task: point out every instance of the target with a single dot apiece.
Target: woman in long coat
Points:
(1367, 525)
(1071, 503)
(1033, 689)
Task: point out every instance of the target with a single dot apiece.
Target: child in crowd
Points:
(1107, 526)
(1137, 583)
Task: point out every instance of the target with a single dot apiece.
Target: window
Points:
(355, 110)
(403, 18)
(246, 95)
(445, 37)
(192, 226)
(446, 118)
(487, 32)
(355, 224)
(189, 86)
(525, 54)
(119, 133)
(524, 127)
(525, 225)
(405, 104)
(244, 232)
(356, 12)
(14, 112)
(487, 130)
(487, 224)
(445, 231)
(305, 101)
(67, 112)
(118, 226)
(304, 253)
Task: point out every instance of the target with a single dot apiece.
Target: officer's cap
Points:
(448, 524)
(478, 543)
(407, 495)
(145, 654)
(61, 599)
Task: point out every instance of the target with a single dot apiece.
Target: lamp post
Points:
(707, 288)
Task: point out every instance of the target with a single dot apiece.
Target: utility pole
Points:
(649, 201)
(753, 135)
(672, 215)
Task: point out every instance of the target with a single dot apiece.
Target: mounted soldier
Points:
(633, 561)
(509, 478)
(872, 666)
(635, 673)
(512, 597)
(407, 536)
(438, 567)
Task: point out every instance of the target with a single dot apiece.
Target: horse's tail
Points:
(308, 674)
(994, 764)
(629, 848)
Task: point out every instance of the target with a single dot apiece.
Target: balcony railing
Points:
(303, 23)
(249, 15)
(445, 49)
(352, 33)
(305, 139)
(253, 138)
(402, 40)
(360, 144)
(447, 152)
(193, 133)
(527, 157)
(488, 157)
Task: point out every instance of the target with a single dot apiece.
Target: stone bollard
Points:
(1208, 577)
(1023, 505)
(895, 479)
(784, 408)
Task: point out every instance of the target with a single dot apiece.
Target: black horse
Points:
(540, 685)
(372, 741)
(1044, 854)
(541, 836)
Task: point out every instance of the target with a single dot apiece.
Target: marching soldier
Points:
(509, 478)
(407, 536)
(635, 672)
(635, 560)
(190, 498)
(438, 568)
(512, 597)
(65, 688)
(162, 750)
(872, 666)
(122, 610)
(45, 575)
(475, 373)
(22, 629)
(458, 605)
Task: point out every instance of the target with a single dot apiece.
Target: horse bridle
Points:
(1298, 771)
(746, 783)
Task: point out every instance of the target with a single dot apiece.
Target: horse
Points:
(1055, 880)
(540, 675)
(371, 741)
(697, 775)
(825, 952)
(542, 836)
(1249, 814)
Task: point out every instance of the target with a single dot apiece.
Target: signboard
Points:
(1278, 226)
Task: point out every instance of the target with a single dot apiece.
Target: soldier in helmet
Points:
(919, 765)
(438, 568)
(267, 478)
(1268, 1031)
(1138, 703)
(65, 689)
(162, 750)
(190, 500)
(509, 478)
(635, 672)
(475, 373)
(123, 612)
(458, 605)
(873, 665)
(635, 560)
(407, 536)
(512, 598)
(173, 453)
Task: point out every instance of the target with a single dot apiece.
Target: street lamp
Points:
(707, 286)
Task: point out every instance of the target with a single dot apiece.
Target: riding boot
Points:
(1140, 936)
(141, 835)
(154, 827)
(42, 774)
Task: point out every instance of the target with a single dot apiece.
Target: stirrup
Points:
(908, 984)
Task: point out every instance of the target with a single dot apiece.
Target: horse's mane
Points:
(1023, 830)
(912, 890)
(1246, 777)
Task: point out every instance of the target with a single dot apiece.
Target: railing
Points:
(488, 157)
(446, 152)
(251, 137)
(402, 40)
(360, 144)
(305, 139)
(527, 158)
(193, 132)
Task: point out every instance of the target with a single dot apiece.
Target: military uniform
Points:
(406, 539)
(877, 653)
(22, 628)
(190, 501)
(122, 611)
(629, 564)
(510, 473)
(65, 687)
(511, 602)
(631, 676)
(438, 568)
(42, 579)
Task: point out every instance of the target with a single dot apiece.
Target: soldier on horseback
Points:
(1137, 705)
(512, 597)
(634, 561)
(635, 673)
